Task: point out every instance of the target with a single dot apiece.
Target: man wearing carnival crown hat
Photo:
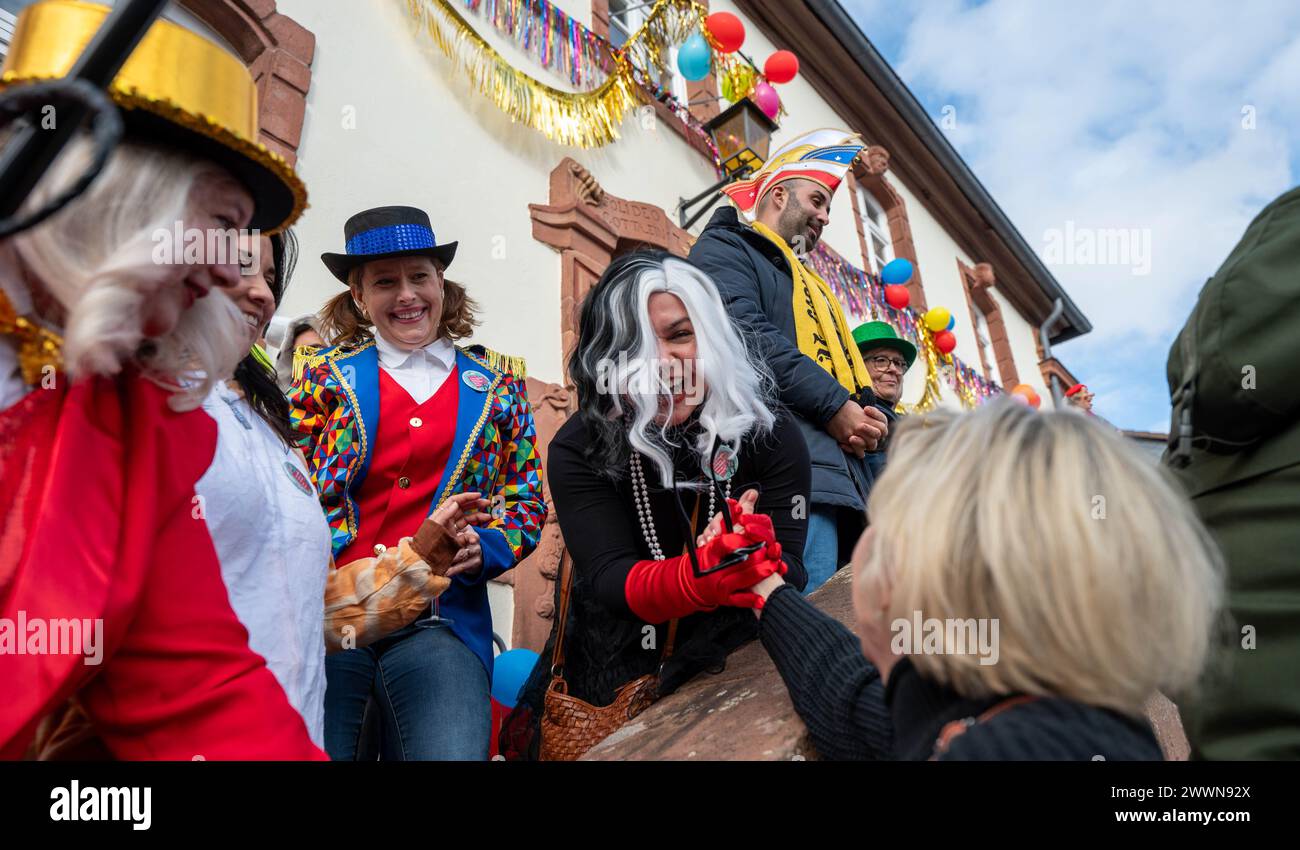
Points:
(754, 253)
(398, 422)
(105, 356)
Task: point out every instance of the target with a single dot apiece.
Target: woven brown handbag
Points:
(570, 726)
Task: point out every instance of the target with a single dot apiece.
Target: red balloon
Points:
(945, 341)
(781, 67)
(727, 31)
(897, 296)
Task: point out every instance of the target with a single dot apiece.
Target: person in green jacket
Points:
(1235, 444)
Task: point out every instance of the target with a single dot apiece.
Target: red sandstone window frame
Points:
(977, 283)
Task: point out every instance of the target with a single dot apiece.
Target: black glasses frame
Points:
(899, 364)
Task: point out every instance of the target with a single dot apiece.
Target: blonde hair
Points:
(96, 258)
(1105, 585)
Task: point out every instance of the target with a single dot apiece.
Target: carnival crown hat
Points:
(177, 88)
(385, 232)
(882, 335)
(822, 156)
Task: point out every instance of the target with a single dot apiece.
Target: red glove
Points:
(658, 591)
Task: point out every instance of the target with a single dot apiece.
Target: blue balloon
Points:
(896, 272)
(952, 320)
(510, 671)
(695, 58)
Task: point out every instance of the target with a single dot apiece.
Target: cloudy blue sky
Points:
(1179, 120)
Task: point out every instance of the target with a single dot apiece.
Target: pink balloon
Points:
(767, 99)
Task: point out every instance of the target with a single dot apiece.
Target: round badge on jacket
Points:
(723, 464)
(298, 477)
(476, 380)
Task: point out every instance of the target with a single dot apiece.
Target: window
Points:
(625, 18)
(673, 81)
(880, 247)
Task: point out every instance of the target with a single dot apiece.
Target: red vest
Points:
(412, 445)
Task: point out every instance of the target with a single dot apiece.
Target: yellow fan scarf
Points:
(819, 324)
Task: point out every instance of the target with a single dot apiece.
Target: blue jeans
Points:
(420, 688)
(821, 551)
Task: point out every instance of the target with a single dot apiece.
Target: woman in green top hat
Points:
(887, 357)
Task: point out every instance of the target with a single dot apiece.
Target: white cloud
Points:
(1114, 114)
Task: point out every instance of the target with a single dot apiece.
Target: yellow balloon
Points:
(936, 318)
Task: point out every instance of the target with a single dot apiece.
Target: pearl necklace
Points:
(641, 496)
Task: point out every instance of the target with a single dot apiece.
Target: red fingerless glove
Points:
(758, 528)
(658, 591)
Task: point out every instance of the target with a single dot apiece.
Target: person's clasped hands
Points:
(458, 515)
(858, 429)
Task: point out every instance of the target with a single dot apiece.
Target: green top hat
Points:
(881, 335)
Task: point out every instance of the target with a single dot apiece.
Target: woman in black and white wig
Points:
(673, 425)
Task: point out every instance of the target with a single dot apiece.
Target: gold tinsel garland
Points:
(38, 347)
(936, 360)
(586, 119)
(933, 392)
(513, 364)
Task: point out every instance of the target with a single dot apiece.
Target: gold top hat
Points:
(177, 88)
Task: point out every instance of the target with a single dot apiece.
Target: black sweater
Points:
(851, 715)
(606, 645)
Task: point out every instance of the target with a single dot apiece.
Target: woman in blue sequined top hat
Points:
(400, 424)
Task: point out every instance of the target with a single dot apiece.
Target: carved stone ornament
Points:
(587, 189)
(876, 159)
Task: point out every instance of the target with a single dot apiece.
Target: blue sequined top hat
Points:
(385, 232)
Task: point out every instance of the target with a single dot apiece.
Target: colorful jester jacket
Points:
(334, 405)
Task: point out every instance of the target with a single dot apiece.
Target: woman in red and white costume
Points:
(101, 435)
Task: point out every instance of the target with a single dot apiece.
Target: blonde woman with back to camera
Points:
(1027, 582)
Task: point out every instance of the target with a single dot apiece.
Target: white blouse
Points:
(421, 372)
(274, 545)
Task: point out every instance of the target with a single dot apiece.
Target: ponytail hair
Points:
(341, 322)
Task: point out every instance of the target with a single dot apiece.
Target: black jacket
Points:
(876, 459)
(850, 714)
(754, 280)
